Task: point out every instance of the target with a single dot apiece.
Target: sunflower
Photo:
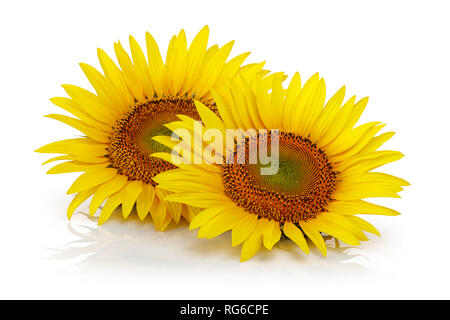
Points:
(325, 168)
(131, 104)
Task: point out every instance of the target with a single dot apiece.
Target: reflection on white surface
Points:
(136, 247)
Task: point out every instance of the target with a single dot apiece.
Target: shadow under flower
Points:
(135, 246)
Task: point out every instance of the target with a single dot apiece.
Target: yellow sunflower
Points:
(131, 103)
(325, 168)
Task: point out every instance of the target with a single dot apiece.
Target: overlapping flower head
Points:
(325, 166)
(131, 103)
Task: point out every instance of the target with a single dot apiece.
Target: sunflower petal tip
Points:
(244, 258)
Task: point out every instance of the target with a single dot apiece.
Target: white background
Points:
(397, 52)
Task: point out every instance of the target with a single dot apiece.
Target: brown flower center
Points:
(131, 142)
(300, 190)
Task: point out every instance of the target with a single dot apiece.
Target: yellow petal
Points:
(271, 234)
(89, 131)
(224, 110)
(166, 221)
(173, 208)
(353, 207)
(334, 231)
(252, 245)
(347, 140)
(91, 179)
(132, 192)
(363, 163)
(141, 67)
(206, 215)
(230, 70)
(277, 102)
(145, 200)
(158, 213)
(364, 190)
(78, 200)
(243, 229)
(293, 92)
(210, 120)
(296, 235)
(376, 142)
(155, 64)
(104, 191)
(212, 68)
(91, 104)
(176, 62)
(374, 178)
(78, 111)
(115, 76)
(130, 74)
(104, 89)
(92, 161)
(223, 222)
(195, 57)
(189, 212)
(201, 200)
(111, 204)
(356, 113)
(337, 123)
(364, 225)
(315, 236)
(80, 146)
(358, 145)
(74, 166)
(58, 158)
(315, 106)
(328, 115)
(344, 223)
